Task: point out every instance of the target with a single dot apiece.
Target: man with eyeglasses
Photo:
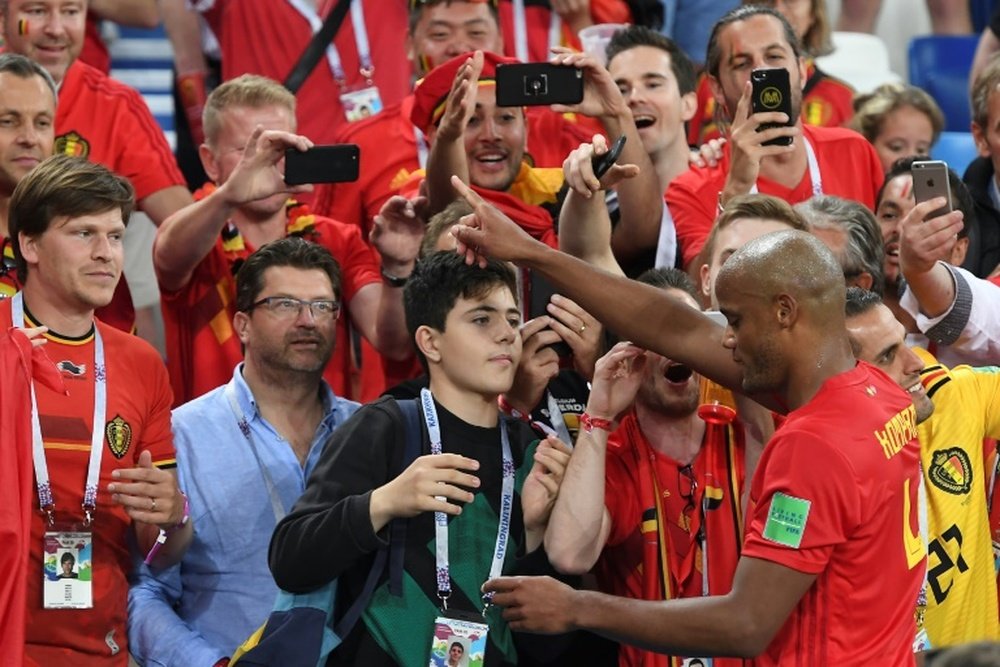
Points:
(249, 124)
(653, 506)
(245, 451)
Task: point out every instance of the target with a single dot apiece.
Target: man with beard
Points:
(245, 451)
(249, 123)
(668, 522)
(959, 603)
(818, 160)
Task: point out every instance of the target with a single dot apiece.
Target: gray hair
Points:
(864, 251)
(24, 68)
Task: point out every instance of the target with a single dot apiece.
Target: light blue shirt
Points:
(200, 610)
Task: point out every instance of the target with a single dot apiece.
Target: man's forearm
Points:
(585, 230)
(640, 199)
(692, 626)
(576, 533)
(446, 157)
(934, 290)
(645, 315)
(186, 237)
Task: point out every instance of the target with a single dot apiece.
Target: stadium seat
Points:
(860, 59)
(956, 148)
(940, 65)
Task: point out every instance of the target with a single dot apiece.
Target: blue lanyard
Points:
(441, 519)
(45, 499)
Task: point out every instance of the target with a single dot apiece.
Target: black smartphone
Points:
(538, 291)
(533, 84)
(930, 180)
(601, 163)
(772, 92)
(337, 163)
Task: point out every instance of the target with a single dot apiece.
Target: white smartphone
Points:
(930, 180)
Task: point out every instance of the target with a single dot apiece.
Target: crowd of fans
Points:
(733, 400)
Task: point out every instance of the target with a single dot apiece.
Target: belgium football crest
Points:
(951, 471)
(72, 144)
(119, 436)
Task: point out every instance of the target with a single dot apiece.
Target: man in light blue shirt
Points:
(244, 453)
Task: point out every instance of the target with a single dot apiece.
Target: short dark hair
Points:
(439, 280)
(669, 278)
(858, 302)
(961, 199)
(417, 8)
(864, 252)
(24, 68)
(637, 35)
(458, 644)
(67, 557)
(713, 57)
(63, 186)
(292, 251)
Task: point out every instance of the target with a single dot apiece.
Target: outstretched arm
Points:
(645, 315)
(741, 623)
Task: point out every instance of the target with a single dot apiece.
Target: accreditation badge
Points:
(67, 570)
(361, 103)
(696, 662)
(459, 640)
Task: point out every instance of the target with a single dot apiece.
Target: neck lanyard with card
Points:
(67, 557)
(452, 627)
(364, 101)
(521, 31)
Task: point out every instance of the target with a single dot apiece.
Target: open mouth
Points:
(678, 374)
(642, 122)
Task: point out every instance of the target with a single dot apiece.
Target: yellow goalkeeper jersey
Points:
(961, 590)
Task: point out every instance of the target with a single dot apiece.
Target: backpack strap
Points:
(397, 531)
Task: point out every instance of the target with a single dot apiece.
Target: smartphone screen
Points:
(772, 92)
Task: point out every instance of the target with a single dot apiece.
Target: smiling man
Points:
(956, 409)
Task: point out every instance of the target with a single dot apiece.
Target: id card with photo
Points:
(67, 570)
(359, 104)
(696, 662)
(458, 641)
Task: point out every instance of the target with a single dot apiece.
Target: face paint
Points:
(22, 26)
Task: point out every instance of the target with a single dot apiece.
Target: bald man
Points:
(832, 500)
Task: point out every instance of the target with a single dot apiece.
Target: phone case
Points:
(772, 92)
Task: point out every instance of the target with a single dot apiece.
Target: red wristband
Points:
(590, 423)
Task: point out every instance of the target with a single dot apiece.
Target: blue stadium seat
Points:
(956, 148)
(940, 65)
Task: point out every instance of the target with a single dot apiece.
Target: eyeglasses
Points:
(286, 307)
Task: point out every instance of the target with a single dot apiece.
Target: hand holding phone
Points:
(772, 92)
(601, 163)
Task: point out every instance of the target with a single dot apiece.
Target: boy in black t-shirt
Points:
(492, 483)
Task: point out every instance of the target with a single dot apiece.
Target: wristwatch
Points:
(393, 281)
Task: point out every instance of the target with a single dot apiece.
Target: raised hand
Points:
(617, 377)
(260, 171)
(747, 147)
(487, 232)
(398, 231)
(579, 171)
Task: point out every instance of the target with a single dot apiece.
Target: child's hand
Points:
(425, 486)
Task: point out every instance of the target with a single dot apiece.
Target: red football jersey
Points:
(835, 495)
(848, 167)
(138, 419)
